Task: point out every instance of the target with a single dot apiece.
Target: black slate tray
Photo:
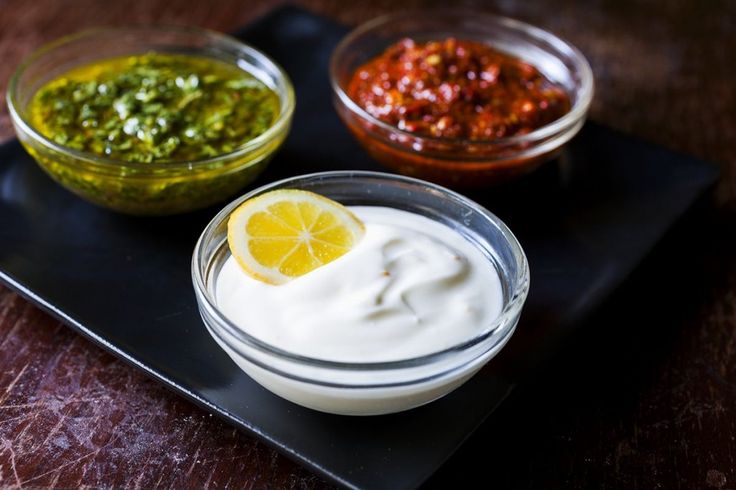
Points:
(585, 222)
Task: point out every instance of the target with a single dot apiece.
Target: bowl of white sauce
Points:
(429, 295)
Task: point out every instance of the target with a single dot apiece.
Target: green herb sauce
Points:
(154, 108)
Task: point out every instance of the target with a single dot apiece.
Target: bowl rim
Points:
(285, 112)
(500, 328)
(575, 114)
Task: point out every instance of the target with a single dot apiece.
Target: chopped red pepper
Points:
(456, 89)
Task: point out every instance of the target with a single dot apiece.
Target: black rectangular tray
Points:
(585, 221)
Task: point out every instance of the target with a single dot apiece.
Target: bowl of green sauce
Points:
(151, 121)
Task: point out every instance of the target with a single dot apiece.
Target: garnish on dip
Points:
(284, 234)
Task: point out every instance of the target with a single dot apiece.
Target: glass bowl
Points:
(381, 387)
(147, 188)
(462, 162)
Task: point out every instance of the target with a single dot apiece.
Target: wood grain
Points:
(645, 396)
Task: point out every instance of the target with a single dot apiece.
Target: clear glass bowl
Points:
(461, 162)
(381, 387)
(147, 188)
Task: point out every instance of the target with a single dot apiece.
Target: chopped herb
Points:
(154, 108)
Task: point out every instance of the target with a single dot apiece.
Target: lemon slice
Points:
(284, 234)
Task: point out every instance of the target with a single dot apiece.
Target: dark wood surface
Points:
(643, 397)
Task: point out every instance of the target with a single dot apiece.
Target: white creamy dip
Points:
(412, 286)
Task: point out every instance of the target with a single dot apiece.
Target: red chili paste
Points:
(456, 89)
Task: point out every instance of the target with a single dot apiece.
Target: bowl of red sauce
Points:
(459, 97)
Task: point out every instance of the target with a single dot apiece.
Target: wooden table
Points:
(644, 396)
